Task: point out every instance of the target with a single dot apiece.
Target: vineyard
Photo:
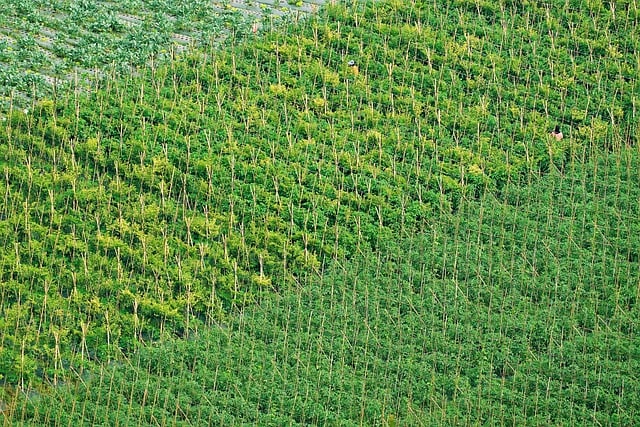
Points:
(358, 218)
(46, 46)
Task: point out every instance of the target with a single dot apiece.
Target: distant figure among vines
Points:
(557, 133)
(354, 67)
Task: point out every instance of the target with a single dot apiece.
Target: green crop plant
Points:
(254, 233)
(53, 41)
(492, 314)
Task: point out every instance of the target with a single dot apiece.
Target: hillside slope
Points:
(518, 312)
(159, 204)
(53, 46)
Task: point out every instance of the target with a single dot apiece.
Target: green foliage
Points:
(46, 46)
(471, 267)
(523, 309)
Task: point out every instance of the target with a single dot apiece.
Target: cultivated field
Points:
(47, 46)
(359, 218)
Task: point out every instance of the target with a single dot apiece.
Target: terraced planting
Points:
(46, 44)
(360, 218)
(495, 316)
